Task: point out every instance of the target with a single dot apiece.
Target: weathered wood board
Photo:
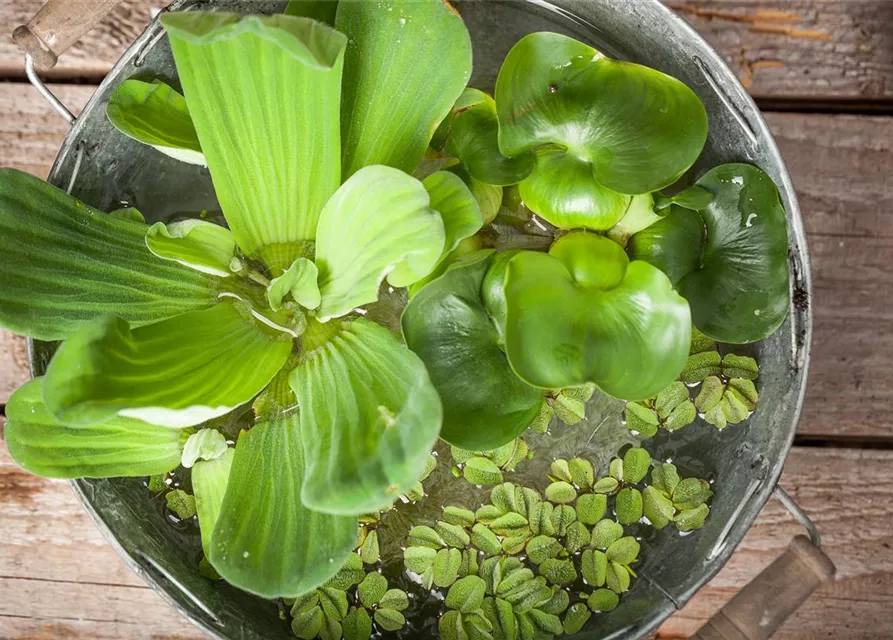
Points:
(837, 50)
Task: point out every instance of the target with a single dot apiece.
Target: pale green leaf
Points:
(116, 447)
(266, 541)
(406, 64)
(273, 168)
(466, 595)
(636, 463)
(395, 599)
(453, 535)
(378, 224)
(484, 539)
(446, 567)
(480, 471)
(205, 444)
(155, 114)
(389, 619)
(65, 264)
(603, 600)
(561, 493)
(372, 589)
(178, 372)
(628, 506)
(209, 482)
(558, 572)
(591, 507)
(419, 559)
(606, 533)
(203, 246)
(594, 567)
(576, 618)
(458, 516)
(370, 418)
(299, 281)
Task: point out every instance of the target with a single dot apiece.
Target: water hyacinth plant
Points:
(352, 163)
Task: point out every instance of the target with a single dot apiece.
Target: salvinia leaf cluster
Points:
(310, 144)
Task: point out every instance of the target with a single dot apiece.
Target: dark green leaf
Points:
(369, 418)
(583, 313)
(357, 625)
(406, 65)
(154, 114)
(181, 504)
(65, 264)
(266, 541)
(178, 372)
(446, 324)
(321, 10)
(116, 447)
(372, 589)
(446, 567)
(273, 169)
(673, 244)
(469, 133)
(694, 198)
(638, 128)
(558, 572)
(389, 620)
(379, 224)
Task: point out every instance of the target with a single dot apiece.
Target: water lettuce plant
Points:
(352, 163)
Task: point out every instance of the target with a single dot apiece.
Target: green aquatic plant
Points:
(352, 163)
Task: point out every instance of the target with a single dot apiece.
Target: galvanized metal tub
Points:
(106, 170)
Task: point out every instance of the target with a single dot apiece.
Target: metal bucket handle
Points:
(755, 613)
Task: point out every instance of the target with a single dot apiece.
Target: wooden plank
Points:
(793, 50)
(94, 55)
(57, 574)
(13, 364)
(801, 49)
(840, 167)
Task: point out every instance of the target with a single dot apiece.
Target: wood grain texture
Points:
(840, 166)
(58, 578)
(93, 56)
(801, 49)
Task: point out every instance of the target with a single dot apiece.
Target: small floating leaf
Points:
(334, 601)
(591, 507)
(582, 473)
(606, 485)
(665, 477)
(624, 551)
(453, 535)
(569, 410)
(606, 533)
(636, 463)
(692, 518)
(307, 624)
(357, 625)
(617, 578)
(395, 599)
(669, 398)
(513, 545)
(446, 567)
(422, 536)
(561, 493)
(710, 394)
(389, 619)
(481, 471)
(560, 470)
(576, 538)
(542, 548)
(369, 551)
(466, 595)
(629, 506)
(511, 524)
(458, 516)
(603, 600)
(576, 618)
(700, 365)
(469, 566)
(594, 566)
(641, 419)
(657, 507)
(690, 493)
(372, 589)
(682, 416)
(181, 503)
(563, 516)
(484, 539)
(541, 519)
(740, 367)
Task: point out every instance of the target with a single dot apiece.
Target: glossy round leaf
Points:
(446, 324)
(470, 133)
(639, 128)
(730, 259)
(673, 244)
(741, 292)
(563, 190)
(630, 338)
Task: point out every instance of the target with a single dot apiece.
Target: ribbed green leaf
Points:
(155, 114)
(200, 245)
(64, 264)
(461, 214)
(379, 224)
(299, 281)
(369, 415)
(638, 128)
(406, 64)
(116, 447)
(273, 168)
(178, 373)
(209, 482)
(584, 313)
(446, 324)
(469, 133)
(266, 541)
